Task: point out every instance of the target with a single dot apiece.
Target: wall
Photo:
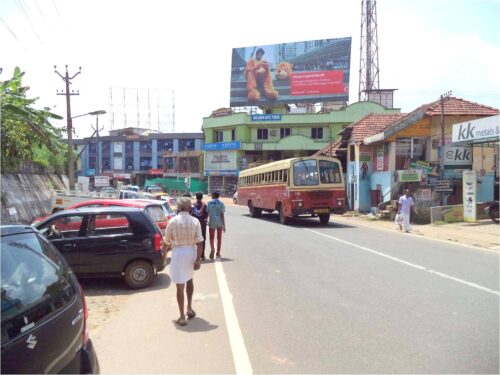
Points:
(25, 197)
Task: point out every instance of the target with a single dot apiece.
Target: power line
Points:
(13, 34)
(19, 2)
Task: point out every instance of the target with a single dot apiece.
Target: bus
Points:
(305, 186)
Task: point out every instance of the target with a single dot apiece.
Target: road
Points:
(310, 299)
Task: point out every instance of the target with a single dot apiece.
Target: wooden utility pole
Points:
(69, 126)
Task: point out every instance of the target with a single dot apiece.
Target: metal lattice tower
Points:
(368, 57)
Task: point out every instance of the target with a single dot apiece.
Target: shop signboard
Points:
(469, 195)
(483, 129)
(409, 175)
(101, 181)
(298, 72)
(220, 160)
(457, 157)
(443, 185)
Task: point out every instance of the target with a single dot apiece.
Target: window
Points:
(101, 225)
(164, 145)
(317, 133)
(145, 163)
(233, 134)
(408, 150)
(329, 172)
(145, 146)
(35, 283)
(305, 172)
(219, 135)
(129, 163)
(262, 134)
(284, 132)
(63, 227)
(186, 144)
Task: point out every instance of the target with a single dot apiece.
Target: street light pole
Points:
(98, 159)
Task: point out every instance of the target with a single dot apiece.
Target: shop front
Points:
(221, 167)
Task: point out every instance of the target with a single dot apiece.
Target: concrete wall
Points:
(25, 197)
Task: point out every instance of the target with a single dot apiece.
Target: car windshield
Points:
(305, 173)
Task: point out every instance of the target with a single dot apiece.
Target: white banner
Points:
(469, 195)
(118, 147)
(118, 163)
(101, 181)
(220, 160)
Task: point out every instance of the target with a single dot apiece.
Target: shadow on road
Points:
(195, 325)
(304, 222)
(116, 286)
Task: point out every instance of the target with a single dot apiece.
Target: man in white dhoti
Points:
(183, 235)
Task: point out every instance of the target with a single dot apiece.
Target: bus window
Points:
(329, 172)
(305, 172)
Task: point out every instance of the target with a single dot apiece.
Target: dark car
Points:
(108, 241)
(44, 315)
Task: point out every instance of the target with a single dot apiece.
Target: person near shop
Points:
(216, 223)
(405, 206)
(183, 236)
(199, 211)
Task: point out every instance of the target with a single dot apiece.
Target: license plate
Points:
(322, 211)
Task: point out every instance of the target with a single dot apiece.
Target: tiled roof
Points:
(456, 106)
(372, 124)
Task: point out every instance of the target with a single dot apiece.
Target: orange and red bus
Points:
(305, 186)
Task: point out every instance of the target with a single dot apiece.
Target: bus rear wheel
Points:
(324, 218)
(283, 218)
(254, 212)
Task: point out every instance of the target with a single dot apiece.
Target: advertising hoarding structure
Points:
(290, 73)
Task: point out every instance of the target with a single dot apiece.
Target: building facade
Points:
(133, 155)
(237, 141)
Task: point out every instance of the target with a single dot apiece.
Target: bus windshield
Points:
(329, 172)
(305, 172)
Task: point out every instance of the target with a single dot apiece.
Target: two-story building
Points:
(236, 141)
(386, 153)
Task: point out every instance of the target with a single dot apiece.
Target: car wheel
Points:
(139, 274)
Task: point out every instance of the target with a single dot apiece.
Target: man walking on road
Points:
(405, 205)
(216, 222)
(199, 211)
(183, 234)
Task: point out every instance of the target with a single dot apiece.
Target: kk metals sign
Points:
(483, 129)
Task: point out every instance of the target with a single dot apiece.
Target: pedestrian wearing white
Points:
(183, 235)
(405, 205)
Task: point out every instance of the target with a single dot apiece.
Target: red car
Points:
(159, 210)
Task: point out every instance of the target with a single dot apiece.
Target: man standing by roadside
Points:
(199, 211)
(216, 222)
(183, 235)
(405, 205)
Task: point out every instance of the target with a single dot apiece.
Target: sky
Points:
(426, 48)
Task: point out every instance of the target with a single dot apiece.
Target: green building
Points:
(237, 141)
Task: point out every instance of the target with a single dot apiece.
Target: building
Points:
(133, 155)
(236, 141)
(385, 154)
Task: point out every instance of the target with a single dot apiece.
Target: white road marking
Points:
(240, 355)
(409, 264)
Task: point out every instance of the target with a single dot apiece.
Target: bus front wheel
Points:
(324, 218)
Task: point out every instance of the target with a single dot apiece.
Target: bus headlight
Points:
(299, 204)
(340, 203)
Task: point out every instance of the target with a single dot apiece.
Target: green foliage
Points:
(26, 132)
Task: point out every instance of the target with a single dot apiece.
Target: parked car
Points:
(159, 210)
(108, 241)
(44, 314)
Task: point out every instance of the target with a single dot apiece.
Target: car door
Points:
(65, 233)
(106, 248)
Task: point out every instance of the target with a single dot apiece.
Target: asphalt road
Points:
(311, 299)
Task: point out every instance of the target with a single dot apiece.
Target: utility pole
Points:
(441, 154)
(69, 126)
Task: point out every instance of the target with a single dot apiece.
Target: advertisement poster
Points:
(289, 73)
(469, 195)
(409, 175)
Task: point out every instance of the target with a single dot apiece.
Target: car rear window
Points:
(157, 212)
(36, 283)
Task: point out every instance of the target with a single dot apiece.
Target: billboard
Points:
(289, 73)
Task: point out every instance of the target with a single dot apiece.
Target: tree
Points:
(24, 129)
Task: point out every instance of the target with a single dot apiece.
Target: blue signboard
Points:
(267, 117)
(235, 145)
